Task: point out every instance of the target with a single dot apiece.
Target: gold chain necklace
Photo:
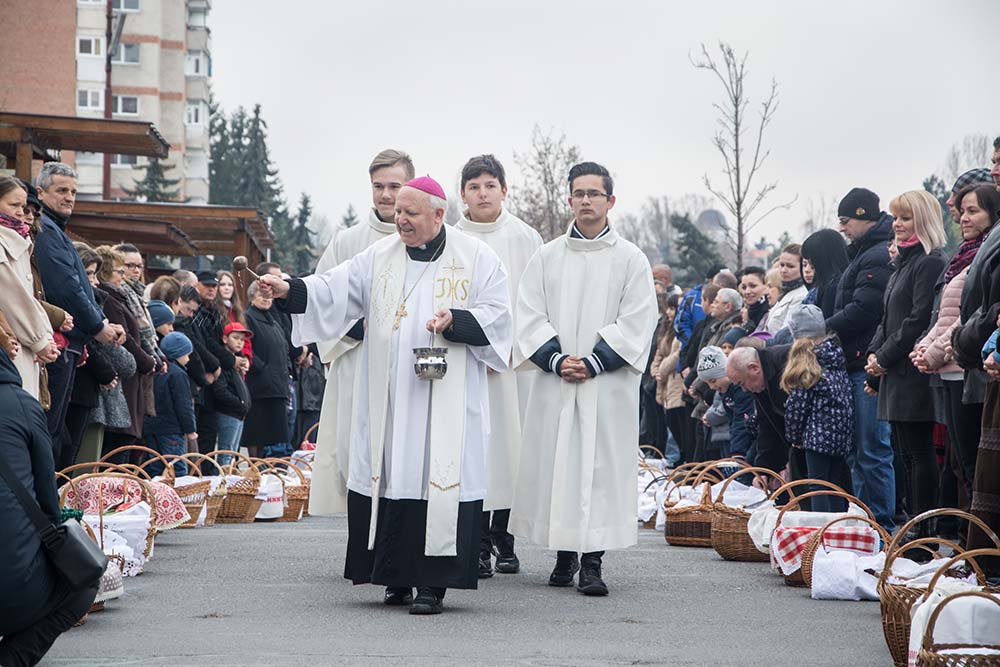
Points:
(401, 311)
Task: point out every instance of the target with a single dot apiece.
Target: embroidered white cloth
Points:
(968, 620)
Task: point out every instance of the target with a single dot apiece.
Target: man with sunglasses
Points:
(585, 307)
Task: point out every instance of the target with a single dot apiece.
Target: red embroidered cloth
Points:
(97, 494)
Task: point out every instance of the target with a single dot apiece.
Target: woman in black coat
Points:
(904, 395)
(267, 423)
(826, 252)
(35, 606)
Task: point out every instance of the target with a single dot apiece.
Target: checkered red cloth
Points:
(788, 543)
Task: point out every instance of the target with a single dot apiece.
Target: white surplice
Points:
(576, 482)
(515, 243)
(404, 445)
(333, 444)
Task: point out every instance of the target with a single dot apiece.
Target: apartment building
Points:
(160, 73)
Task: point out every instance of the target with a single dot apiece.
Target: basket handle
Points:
(713, 467)
(659, 478)
(291, 460)
(312, 429)
(138, 448)
(929, 632)
(965, 555)
(794, 484)
(274, 463)
(930, 514)
(682, 471)
(173, 458)
(652, 448)
(797, 501)
(923, 543)
(755, 471)
(268, 467)
(190, 458)
(884, 536)
(98, 466)
(230, 468)
(144, 486)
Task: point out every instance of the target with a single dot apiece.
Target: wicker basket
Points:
(308, 463)
(193, 495)
(796, 578)
(240, 504)
(214, 499)
(145, 489)
(896, 600)
(813, 545)
(730, 538)
(933, 655)
(692, 526)
(296, 497)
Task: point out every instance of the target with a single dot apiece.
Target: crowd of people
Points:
(865, 358)
(178, 365)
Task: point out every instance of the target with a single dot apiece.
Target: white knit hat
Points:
(711, 363)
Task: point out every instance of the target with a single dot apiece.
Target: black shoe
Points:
(398, 597)
(590, 582)
(508, 564)
(485, 565)
(562, 573)
(426, 603)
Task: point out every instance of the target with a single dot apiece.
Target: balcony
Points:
(196, 137)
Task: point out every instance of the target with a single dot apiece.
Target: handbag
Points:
(71, 551)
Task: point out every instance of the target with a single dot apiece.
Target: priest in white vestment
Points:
(418, 447)
(585, 308)
(388, 171)
(484, 189)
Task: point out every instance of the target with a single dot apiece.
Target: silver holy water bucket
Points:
(431, 363)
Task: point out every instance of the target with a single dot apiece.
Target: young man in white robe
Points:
(388, 172)
(484, 189)
(418, 447)
(585, 307)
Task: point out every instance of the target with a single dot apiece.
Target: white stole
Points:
(452, 286)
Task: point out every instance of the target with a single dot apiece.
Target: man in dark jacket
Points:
(857, 314)
(66, 286)
(35, 605)
(759, 372)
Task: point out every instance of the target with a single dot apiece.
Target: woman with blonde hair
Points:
(904, 395)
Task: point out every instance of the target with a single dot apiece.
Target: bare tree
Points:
(974, 150)
(820, 213)
(737, 195)
(542, 198)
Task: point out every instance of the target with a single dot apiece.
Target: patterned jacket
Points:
(822, 418)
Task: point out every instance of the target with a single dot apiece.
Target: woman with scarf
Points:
(116, 309)
(24, 314)
(793, 290)
(230, 307)
(904, 395)
(824, 254)
(930, 355)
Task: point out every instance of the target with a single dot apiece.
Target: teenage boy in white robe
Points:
(388, 171)
(484, 189)
(418, 447)
(585, 308)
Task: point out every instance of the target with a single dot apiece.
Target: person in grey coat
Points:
(904, 395)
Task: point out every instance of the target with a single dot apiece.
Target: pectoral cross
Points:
(400, 314)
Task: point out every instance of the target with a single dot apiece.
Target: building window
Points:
(127, 54)
(125, 5)
(89, 46)
(197, 113)
(89, 100)
(118, 160)
(197, 63)
(125, 105)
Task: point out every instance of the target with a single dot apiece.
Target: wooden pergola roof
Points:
(25, 136)
(211, 230)
(151, 236)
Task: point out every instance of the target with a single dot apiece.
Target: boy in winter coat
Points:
(174, 423)
(819, 413)
(732, 407)
(229, 393)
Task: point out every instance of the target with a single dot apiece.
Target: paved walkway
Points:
(272, 594)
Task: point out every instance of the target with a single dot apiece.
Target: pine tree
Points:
(696, 251)
(221, 185)
(258, 177)
(154, 186)
(350, 218)
(300, 257)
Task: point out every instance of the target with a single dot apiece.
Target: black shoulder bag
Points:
(70, 549)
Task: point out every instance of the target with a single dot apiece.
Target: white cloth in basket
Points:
(739, 495)
(965, 621)
(125, 534)
(272, 492)
(214, 482)
(764, 519)
(842, 575)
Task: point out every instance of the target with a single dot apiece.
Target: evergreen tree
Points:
(934, 185)
(350, 218)
(221, 185)
(300, 258)
(696, 251)
(154, 186)
(258, 177)
(783, 241)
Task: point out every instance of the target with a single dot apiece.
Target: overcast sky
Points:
(872, 92)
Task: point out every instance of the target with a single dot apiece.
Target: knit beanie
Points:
(733, 336)
(978, 175)
(711, 363)
(860, 204)
(175, 345)
(160, 313)
(806, 321)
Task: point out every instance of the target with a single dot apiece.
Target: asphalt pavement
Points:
(249, 595)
